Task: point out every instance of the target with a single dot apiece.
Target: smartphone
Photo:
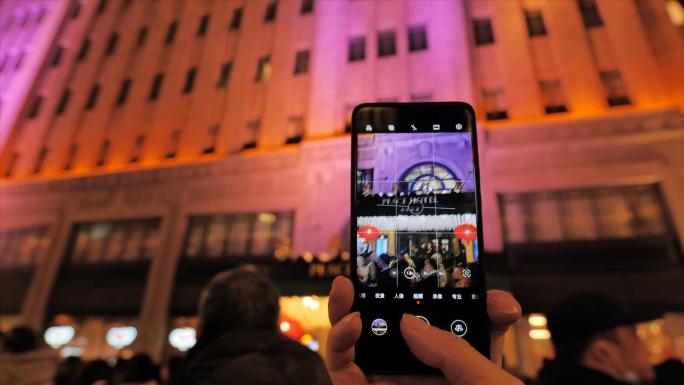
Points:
(417, 226)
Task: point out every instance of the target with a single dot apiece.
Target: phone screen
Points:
(417, 228)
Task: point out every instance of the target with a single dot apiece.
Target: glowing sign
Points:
(120, 337)
(57, 336)
(183, 338)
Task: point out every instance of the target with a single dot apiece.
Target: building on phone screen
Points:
(146, 145)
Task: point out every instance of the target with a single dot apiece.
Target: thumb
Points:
(460, 362)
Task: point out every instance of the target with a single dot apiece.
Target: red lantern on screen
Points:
(369, 233)
(466, 232)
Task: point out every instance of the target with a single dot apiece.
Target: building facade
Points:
(146, 144)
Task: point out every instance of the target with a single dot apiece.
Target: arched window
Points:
(429, 177)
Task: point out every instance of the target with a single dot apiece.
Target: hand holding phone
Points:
(458, 361)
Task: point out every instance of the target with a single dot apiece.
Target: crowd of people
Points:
(430, 266)
(26, 360)
(239, 343)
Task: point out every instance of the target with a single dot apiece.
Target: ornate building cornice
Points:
(624, 123)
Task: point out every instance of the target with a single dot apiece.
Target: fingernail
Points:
(414, 324)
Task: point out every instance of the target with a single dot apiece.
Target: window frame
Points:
(534, 19)
(356, 49)
(387, 43)
(483, 31)
(417, 38)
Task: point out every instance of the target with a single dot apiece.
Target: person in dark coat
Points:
(595, 341)
(239, 341)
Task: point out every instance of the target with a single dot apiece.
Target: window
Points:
(263, 72)
(92, 99)
(357, 48)
(9, 23)
(417, 35)
(307, 7)
(34, 110)
(271, 10)
(171, 33)
(252, 130)
(203, 25)
(24, 247)
(75, 10)
(123, 92)
(73, 151)
(111, 45)
(20, 60)
(301, 62)
(364, 180)
(173, 145)
(56, 56)
(40, 160)
(40, 15)
(535, 23)
(484, 34)
(590, 13)
(387, 45)
(495, 105)
(142, 36)
(616, 92)
(25, 19)
(101, 6)
(83, 52)
(295, 129)
(421, 97)
(156, 87)
(104, 153)
(212, 132)
(3, 63)
(114, 241)
(189, 80)
(552, 95)
(63, 102)
(585, 214)
(224, 75)
(10, 165)
(238, 235)
(137, 149)
(236, 19)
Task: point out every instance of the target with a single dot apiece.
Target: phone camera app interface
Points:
(416, 210)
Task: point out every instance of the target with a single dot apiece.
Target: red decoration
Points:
(290, 328)
(369, 233)
(466, 232)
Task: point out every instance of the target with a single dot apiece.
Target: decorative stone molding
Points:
(589, 128)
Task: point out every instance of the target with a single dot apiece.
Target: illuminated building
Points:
(144, 143)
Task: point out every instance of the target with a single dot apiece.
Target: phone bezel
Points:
(462, 108)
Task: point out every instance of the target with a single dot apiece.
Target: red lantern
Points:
(466, 232)
(369, 233)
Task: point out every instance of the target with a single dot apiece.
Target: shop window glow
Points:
(57, 336)
(182, 338)
(537, 320)
(309, 341)
(540, 334)
(266, 217)
(120, 337)
(310, 303)
(71, 351)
